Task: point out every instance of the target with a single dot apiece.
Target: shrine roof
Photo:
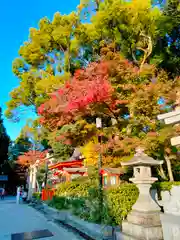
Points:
(75, 160)
(75, 170)
(68, 163)
(117, 171)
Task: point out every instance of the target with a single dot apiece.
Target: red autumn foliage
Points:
(89, 86)
(30, 158)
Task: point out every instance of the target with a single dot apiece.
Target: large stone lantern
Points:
(143, 222)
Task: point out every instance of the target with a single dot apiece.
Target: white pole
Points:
(30, 183)
(18, 195)
(39, 190)
(34, 179)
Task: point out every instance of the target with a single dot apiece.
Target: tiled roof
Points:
(113, 170)
(72, 170)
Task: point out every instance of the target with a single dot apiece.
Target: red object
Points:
(47, 194)
(61, 165)
(88, 86)
(31, 157)
(102, 172)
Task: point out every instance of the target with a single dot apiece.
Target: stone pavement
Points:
(19, 218)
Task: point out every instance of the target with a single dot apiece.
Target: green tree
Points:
(18, 147)
(4, 141)
(45, 61)
(131, 27)
(127, 37)
(167, 49)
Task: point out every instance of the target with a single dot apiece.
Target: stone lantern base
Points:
(142, 226)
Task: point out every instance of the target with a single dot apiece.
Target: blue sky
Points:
(16, 18)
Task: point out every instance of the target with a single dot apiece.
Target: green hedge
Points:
(73, 189)
(120, 201)
(37, 195)
(83, 200)
(59, 203)
(164, 186)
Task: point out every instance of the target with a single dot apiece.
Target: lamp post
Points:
(99, 126)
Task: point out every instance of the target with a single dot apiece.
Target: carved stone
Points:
(171, 201)
(143, 222)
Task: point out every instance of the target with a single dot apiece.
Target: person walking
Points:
(2, 194)
(18, 195)
(24, 195)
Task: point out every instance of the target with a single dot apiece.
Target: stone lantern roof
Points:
(142, 159)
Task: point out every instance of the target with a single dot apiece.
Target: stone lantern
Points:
(143, 222)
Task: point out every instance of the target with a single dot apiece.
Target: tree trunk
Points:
(162, 173)
(170, 173)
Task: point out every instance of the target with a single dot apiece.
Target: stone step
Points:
(142, 232)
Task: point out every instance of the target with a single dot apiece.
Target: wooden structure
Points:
(47, 194)
(68, 170)
(169, 118)
(173, 117)
(111, 176)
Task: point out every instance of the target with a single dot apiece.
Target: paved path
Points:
(18, 218)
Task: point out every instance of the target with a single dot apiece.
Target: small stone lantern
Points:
(143, 222)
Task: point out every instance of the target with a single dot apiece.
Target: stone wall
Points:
(171, 217)
(92, 230)
(171, 201)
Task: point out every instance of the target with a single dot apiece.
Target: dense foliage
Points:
(82, 199)
(31, 157)
(4, 142)
(118, 60)
(18, 147)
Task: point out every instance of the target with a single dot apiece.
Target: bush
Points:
(120, 201)
(75, 194)
(76, 205)
(117, 203)
(66, 189)
(37, 195)
(73, 189)
(163, 186)
(83, 200)
(59, 203)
